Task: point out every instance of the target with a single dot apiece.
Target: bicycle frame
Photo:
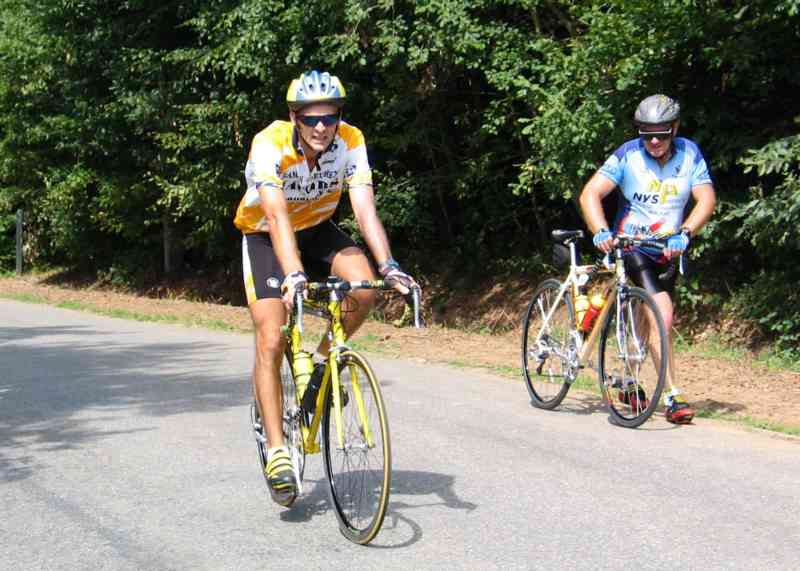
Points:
(332, 312)
(574, 280)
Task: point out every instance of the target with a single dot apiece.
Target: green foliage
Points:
(773, 302)
(483, 119)
(769, 219)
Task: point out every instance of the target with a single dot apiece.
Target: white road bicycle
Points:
(557, 345)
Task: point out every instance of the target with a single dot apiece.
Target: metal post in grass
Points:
(19, 242)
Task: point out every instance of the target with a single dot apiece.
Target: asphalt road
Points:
(126, 445)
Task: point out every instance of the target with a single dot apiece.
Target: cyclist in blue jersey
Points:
(656, 173)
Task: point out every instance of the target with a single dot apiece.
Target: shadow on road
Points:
(315, 502)
(583, 403)
(67, 391)
(428, 489)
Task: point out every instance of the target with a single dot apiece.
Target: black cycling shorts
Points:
(263, 275)
(649, 274)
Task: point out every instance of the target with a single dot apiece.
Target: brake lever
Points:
(412, 299)
(298, 304)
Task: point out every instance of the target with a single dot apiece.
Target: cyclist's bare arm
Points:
(276, 210)
(362, 199)
(705, 200)
(592, 195)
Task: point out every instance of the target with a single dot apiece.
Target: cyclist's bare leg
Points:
(268, 317)
(351, 264)
(647, 329)
(665, 307)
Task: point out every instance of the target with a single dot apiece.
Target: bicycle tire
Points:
(292, 430)
(631, 373)
(548, 382)
(358, 475)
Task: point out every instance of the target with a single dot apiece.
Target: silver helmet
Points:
(657, 110)
(315, 87)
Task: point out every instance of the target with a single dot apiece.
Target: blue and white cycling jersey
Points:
(654, 197)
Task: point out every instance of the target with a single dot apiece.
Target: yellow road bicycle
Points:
(558, 336)
(349, 410)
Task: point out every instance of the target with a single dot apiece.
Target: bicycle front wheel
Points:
(633, 362)
(359, 466)
(548, 346)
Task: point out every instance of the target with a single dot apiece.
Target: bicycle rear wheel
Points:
(632, 355)
(292, 431)
(359, 471)
(549, 353)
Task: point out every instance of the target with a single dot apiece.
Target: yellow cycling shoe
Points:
(281, 480)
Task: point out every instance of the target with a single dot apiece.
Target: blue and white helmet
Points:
(315, 87)
(657, 110)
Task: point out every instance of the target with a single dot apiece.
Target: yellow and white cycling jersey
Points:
(276, 162)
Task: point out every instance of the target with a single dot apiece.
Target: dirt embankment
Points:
(741, 387)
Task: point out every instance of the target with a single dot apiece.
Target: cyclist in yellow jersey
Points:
(296, 173)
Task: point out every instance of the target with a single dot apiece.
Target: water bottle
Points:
(302, 367)
(310, 399)
(596, 303)
(581, 307)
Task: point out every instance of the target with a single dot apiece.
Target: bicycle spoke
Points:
(549, 355)
(358, 469)
(631, 381)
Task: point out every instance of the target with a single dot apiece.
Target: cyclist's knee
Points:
(269, 341)
(366, 296)
(359, 302)
(351, 264)
(664, 303)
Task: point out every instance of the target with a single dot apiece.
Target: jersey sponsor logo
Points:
(297, 192)
(273, 283)
(656, 229)
(645, 198)
(658, 192)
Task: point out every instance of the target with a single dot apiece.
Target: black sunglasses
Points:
(660, 135)
(312, 120)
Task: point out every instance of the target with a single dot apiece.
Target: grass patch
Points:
(215, 324)
(24, 297)
(750, 422)
(502, 370)
(716, 348)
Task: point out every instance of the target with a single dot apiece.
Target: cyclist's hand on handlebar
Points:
(676, 244)
(603, 240)
(397, 278)
(294, 282)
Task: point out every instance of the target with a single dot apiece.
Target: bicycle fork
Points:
(358, 396)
